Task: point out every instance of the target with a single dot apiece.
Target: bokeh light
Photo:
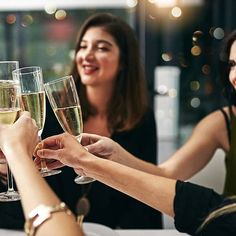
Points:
(60, 15)
(206, 69)
(218, 33)
(11, 19)
(166, 57)
(195, 102)
(165, 3)
(172, 93)
(194, 85)
(132, 3)
(162, 89)
(196, 36)
(176, 12)
(50, 8)
(196, 50)
(27, 20)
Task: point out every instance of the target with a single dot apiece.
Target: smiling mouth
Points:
(89, 69)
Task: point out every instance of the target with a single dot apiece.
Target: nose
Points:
(89, 54)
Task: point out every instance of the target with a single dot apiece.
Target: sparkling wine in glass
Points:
(33, 100)
(9, 113)
(64, 100)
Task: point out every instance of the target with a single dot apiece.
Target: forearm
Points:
(155, 191)
(35, 191)
(125, 158)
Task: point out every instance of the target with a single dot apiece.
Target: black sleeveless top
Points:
(230, 158)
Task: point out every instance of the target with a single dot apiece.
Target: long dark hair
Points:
(130, 100)
(228, 90)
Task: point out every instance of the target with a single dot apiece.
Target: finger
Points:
(52, 141)
(55, 165)
(37, 161)
(25, 114)
(95, 148)
(89, 138)
(79, 171)
(49, 154)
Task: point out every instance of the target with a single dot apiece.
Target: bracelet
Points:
(41, 214)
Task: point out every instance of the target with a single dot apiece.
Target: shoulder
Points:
(213, 130)
(214, 120)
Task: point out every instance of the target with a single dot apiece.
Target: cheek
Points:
(112, 63)
(78, 58)
(232, 79)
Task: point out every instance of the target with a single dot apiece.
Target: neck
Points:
(99, 97)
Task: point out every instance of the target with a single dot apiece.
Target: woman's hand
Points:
(63, 148)
(21, 136)
(100, 146)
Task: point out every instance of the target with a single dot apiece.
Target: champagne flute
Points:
(33, 100)
(9, 112)
(64, 100)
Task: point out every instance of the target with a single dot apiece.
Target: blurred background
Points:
(179, 39)
(180, 43)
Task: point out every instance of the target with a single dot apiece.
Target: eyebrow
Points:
(99, 41)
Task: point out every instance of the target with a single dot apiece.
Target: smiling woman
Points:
(114, 100)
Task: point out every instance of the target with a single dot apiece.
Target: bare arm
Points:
(18, 148)
(155, 191)
(208, 135)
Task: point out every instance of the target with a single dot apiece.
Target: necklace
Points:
(83, 203)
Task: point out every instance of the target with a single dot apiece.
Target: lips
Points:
(234, 83)
(88, 69)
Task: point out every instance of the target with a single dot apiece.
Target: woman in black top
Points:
(110, 81)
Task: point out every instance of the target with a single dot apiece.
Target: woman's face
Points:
(98, 58)
(232, 61)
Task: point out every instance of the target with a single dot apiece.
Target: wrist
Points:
(41, 214)
(13, 151)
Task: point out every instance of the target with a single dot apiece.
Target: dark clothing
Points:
(230, 157)
(117, 210)
(108, 206)
(193, 203)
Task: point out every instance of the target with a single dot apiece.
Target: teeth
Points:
(89, 67)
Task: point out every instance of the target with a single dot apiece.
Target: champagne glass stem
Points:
(82, 179)
(43, 164)
(10, 183)
(44, 169)
(10, 194)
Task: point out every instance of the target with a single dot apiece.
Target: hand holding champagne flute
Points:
(9, 112)
(64, 100)
(33, 100)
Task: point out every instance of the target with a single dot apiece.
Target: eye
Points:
(231, 64)
(102, 48)
(82, 46)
